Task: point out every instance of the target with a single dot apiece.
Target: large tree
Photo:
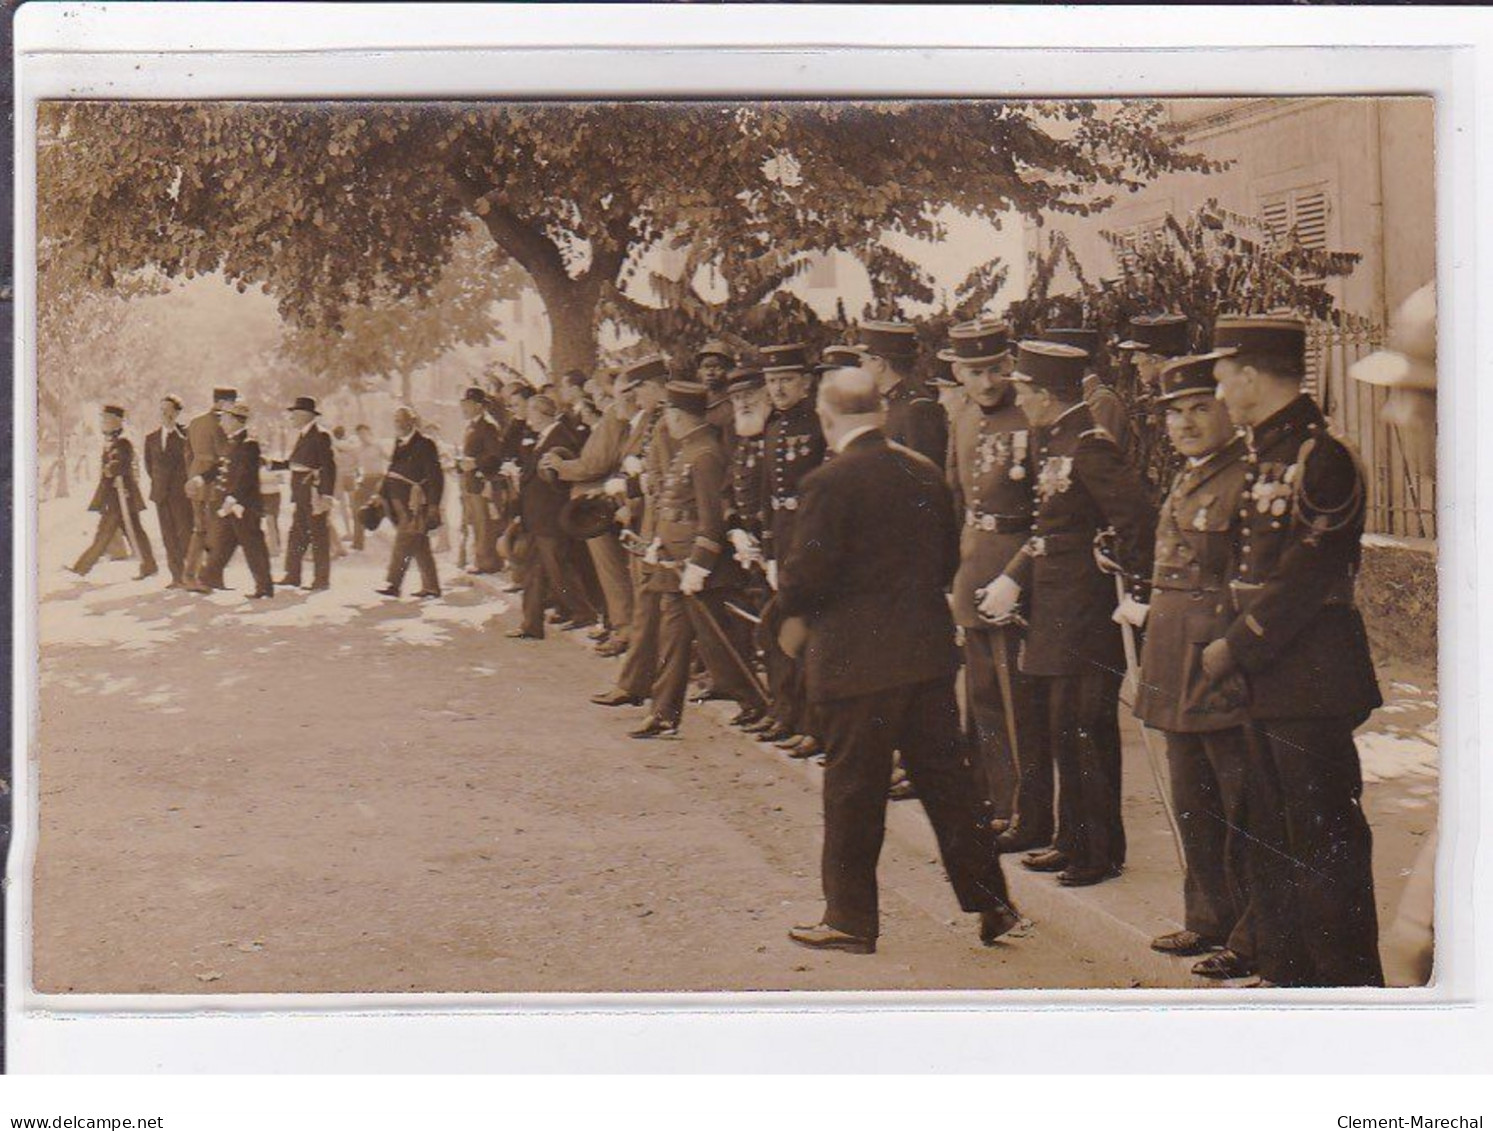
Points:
(331, 204)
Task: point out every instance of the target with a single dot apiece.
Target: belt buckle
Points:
(987, 523)
(1038, 546)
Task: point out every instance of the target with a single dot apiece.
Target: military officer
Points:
(166, 464)
(482, 455)
(989, 452)
(1082, 486)
(750, 408)
(914, 419)
(1202, 722)
(234, 495)
(1108, 409)
(1152, 340)
(412, 489)
(1297, 638)
(117, 499)
(313, 493)
(793, 447)
(205, 443)
(863, 586)
(689, 549)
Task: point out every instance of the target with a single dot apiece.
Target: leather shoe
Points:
(1050, 861)
(745, 717)
(1223, 965)
(807, 748)
(287, 583)
(1078, 877)
(599, 633)
(520, 634)
(616, 697)
(1183, 944)
(144, 573)
(791, 742)
(994, 924)
(775, 733)
(613, 647)
(1015, 840)
(821, 936)
(654, 727)
(260, 594)
(320, 587)
(427, 593)
(387, 591)
(762, 725)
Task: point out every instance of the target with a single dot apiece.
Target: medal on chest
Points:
(1271, 492)
(1055, 477)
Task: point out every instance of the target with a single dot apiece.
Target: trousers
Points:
(551, 578)
(413, 545)
(484, 532)
(242, 531)
(611, 564)
(1083, 730)
(1017, 783)
(308, 531)
(174, 514)
(112, 520)
(683, 623)
(640, 667)
(921, 721)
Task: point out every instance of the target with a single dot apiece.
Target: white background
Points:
(156, 51)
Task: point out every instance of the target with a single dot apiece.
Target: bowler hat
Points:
(587, 516)
(371, 513)
(1185, 376)
(889, 339)
(1168, 335)
(474, 394)
(113, 410)
(1052, 366)
(305, 404)
(977, 342)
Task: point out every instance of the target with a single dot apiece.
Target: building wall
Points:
(1371, 159)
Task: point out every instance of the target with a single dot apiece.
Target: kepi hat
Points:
(1077, 337)
(744, 380)
(1168, 335)
(978, 342)
(1184, 376)
(889, 339)
(1275, 335)
(1052, 366)
(793, 355)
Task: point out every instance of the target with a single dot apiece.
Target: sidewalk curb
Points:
(1086, 927)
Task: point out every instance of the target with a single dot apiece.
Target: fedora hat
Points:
(304, 404)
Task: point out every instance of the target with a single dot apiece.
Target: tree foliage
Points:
(335, 206)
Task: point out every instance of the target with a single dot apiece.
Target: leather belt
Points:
(1046, 545)
(1245, 593)
(998, 523)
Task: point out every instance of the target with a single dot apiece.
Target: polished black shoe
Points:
(616, 697)
(1077, 877)
(809, 747)
(994, 924)
(261, 594)
(655, 728)
(1183, 944)
(821, 936)
(1049, 861)
(387, 591)
(775, 733)
(745, 717)
(285, 582)
(1015, 840)
(1223, 965)
(520, 634)
(706, 695)
(576, 625)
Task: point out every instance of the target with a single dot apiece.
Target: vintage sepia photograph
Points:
(653, 546)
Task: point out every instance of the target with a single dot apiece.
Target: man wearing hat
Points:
(793, 447)
(863, 589)
(689, 548)
(551, 577)
(645, 459)
(166, 464)
(206, 441)
(482, 455)
(1202, 722)
(1104, 403)
(117, 499)
(1298, 640)
(600, 459)
(1153, 340)
(988, 471)
(234, 495)
(914, 419)
(412, 489)
(1073, 645)
(313, 493)
(713, 364)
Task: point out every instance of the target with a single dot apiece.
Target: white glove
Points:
(772, 576)
(1131, 612)
(692, 580)
(633, 466)
(998, 600)
(510, 469)
(230, 507)
(650, 555)
(616, 487)
(747, 550)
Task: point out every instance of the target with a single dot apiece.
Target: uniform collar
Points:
(1299, 415)
(1075, 417)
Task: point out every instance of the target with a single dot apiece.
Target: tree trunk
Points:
(571, 306)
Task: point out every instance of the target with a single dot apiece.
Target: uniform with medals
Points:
(117, 501)
(234, 497)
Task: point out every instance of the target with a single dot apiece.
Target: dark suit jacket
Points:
(874, 550)
(415, 461)
(116, 471)
(482, 447)
(541, 497)
(166, 463)
(240, 475)
(313, 450)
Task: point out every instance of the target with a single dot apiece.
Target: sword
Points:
(1132, 677)
(1008, 697)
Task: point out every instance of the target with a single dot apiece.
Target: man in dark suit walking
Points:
(234, 496)
(166, 463)
(412, 489)
(542, 495)
(863, 589)
(313, 492)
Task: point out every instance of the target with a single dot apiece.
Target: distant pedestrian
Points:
(166, 464)
(412, 490)
(117, 499)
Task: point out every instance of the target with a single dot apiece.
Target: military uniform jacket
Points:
(206, 441)
(483, 448)
(238, 475)
(745, 509)
(873, 553)
(1296, 632)
(990, 474)
(416, 462)
(1082, 486)
(917, 421)
(1109, 412)
(1195, 535)
(793, 446)
(166, 462)
(691, 524)
(116, 475)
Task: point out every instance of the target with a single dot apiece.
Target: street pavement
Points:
(336, 792)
